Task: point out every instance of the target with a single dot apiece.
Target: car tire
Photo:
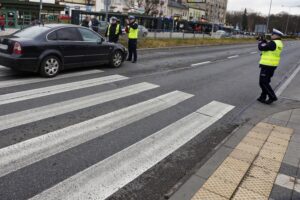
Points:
(116, 59)
(50, 66)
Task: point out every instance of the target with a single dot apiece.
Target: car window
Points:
(31, 32)
(69, 34)
(88, 35)
(52, 36)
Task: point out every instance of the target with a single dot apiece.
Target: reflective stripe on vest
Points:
(272, 58)
(133, 33)
(117, 29)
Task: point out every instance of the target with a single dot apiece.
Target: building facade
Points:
(216, 11)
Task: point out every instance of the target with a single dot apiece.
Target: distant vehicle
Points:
(143, 31)
(51, 48)
(102, 27)
(223, 34)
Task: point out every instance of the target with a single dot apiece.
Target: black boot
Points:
(262, 99)
(270, 101)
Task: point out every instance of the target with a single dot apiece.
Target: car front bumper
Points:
(18, 63)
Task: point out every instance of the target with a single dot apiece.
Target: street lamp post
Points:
(269, 16)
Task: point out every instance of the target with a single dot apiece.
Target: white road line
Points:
(41, 92)
(254, 52)
(235, 56)
(22, 81)
(30, 151)
(36, 114)
(202, 63)
(285, 181)
(287, 82)
(108, 176)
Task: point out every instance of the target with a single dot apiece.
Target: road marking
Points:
(285, 181)
(202, 63)
(41, 92)
(235, 56)
(36, 114)
(288, 81)
(22, 81)
(22, 154)
(108, 176)
(254, 52)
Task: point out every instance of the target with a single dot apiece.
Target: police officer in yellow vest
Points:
(133, 32)
(113, 30)
(270, 58)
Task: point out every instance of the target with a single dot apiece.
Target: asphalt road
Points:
(128, 133)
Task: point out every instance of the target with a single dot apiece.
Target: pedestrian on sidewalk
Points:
(270, 58)
(113, 30)
(133, 31)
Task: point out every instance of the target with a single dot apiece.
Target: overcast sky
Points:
(263, 6)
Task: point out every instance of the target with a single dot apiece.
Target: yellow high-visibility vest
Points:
(133, 33)
(117, 29)
(272, 58)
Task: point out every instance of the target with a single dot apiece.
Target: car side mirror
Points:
(100, 41)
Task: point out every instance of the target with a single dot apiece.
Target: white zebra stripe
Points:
(36, 114)
(56, 89)
(23, 81)
(30, 151)
(108, 176)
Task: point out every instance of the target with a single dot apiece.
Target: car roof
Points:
(60, 25)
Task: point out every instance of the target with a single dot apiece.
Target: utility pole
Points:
(269, 17)
(40, 13)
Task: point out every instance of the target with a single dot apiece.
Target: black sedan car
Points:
(51, 48)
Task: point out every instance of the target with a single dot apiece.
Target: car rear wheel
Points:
(116, 59)
(50, 66)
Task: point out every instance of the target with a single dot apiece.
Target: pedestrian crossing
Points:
(108, 175)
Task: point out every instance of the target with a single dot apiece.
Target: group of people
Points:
(114, 30)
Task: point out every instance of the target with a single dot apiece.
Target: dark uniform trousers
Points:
(266, 73)
(132, 46)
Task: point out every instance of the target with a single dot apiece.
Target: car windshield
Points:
(31, 32)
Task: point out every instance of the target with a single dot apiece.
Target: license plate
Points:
(3, 47)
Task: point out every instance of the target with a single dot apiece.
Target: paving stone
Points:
(267, 164)
(258, 136)
(275, 147)
(271, 155)
(278, 141)
(244, 194)
(285, 181)
(295, 138)
(280, 193)
(295, 118)
(284, 116)
(261, 173)
(288, 170)
(220, 186)
(248, 148)
(277, 122)
(295, 126)
(229, 174)
(285, 130)
(257, 185)
(296, 112)
(235, 164)
(242, 155)
(189, 188)
(213, 163)
(204, 194)
(253, 141)
(280, 135)
(235, 139)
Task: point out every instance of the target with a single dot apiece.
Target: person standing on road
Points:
(113, 30)
(86, 22)
(270, 58)
(95, 24)
(133, 32)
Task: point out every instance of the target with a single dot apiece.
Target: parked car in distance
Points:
(51, 48)
(222, 34)
(143, 31)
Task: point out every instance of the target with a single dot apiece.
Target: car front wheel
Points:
(50, 66)
(116, 59)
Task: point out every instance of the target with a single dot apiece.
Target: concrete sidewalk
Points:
(260, 160)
